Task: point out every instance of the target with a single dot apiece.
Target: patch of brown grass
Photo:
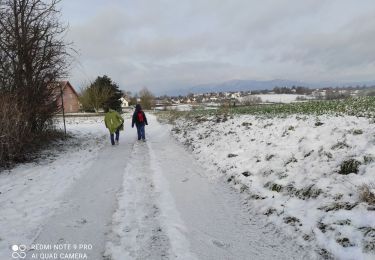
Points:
(366, 194)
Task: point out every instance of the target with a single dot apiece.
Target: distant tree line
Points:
(293, 90)
(332, 94)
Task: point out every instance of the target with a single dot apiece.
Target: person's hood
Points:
(138, 107)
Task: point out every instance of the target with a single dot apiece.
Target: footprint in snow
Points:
(127, 229)
(185, 180)
(81, 222)
(220, 244)
(61, 240)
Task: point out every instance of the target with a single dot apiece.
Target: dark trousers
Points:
(141, 132)
(113, 136)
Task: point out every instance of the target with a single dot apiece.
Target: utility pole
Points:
(63, 110)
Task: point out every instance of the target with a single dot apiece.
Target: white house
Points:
(124, 103)
(235, 95)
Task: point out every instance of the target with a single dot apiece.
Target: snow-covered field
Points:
(180, 107)
(188, 107)
(278, 98)
(294, 172)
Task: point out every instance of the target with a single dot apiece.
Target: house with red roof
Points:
(69, 96)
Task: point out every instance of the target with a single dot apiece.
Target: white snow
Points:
(176, 229)
(32, 192)
(277, 98)
(168, 207)
(146, 223)
(167, 204)
(289, 167)
(188, 107)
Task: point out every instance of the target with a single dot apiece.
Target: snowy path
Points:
(154, 201)
(87, 208)
(216, 224)
(168, 201)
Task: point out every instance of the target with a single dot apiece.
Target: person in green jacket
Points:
(115, 123)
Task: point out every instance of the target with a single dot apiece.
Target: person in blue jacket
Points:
(140, 120)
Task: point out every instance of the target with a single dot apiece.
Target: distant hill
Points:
(247, 85)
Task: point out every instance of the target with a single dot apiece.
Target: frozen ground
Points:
(148, 200)
(304, 174)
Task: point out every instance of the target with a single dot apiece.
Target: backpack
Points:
(140, 117)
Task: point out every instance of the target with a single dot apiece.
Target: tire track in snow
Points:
(137, 232)
(176, 230)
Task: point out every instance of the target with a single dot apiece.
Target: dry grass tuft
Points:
(367, 194)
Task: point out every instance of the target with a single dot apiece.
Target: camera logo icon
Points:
(18, 251)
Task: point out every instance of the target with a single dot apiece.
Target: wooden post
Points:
(62, 106)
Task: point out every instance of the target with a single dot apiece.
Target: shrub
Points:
(18, 141)
(367, 159)
(338, 205)
(291, 220)
(340, 145)
(344, 242)
(14, 130)
(349, 166)
(247, 124)
(357, 131)
(291, 160)
(251, 100)
(274, 186)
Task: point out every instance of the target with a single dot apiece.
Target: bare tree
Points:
(251, 100)
(101, 93)
(147, 99)
(94, 96)
(33, 54)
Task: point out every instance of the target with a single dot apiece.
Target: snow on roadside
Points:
(31, 192)
(290, 168)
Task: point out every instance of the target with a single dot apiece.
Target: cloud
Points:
(352, 46)
(168, 44)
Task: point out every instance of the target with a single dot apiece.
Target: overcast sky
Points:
(169, 44)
